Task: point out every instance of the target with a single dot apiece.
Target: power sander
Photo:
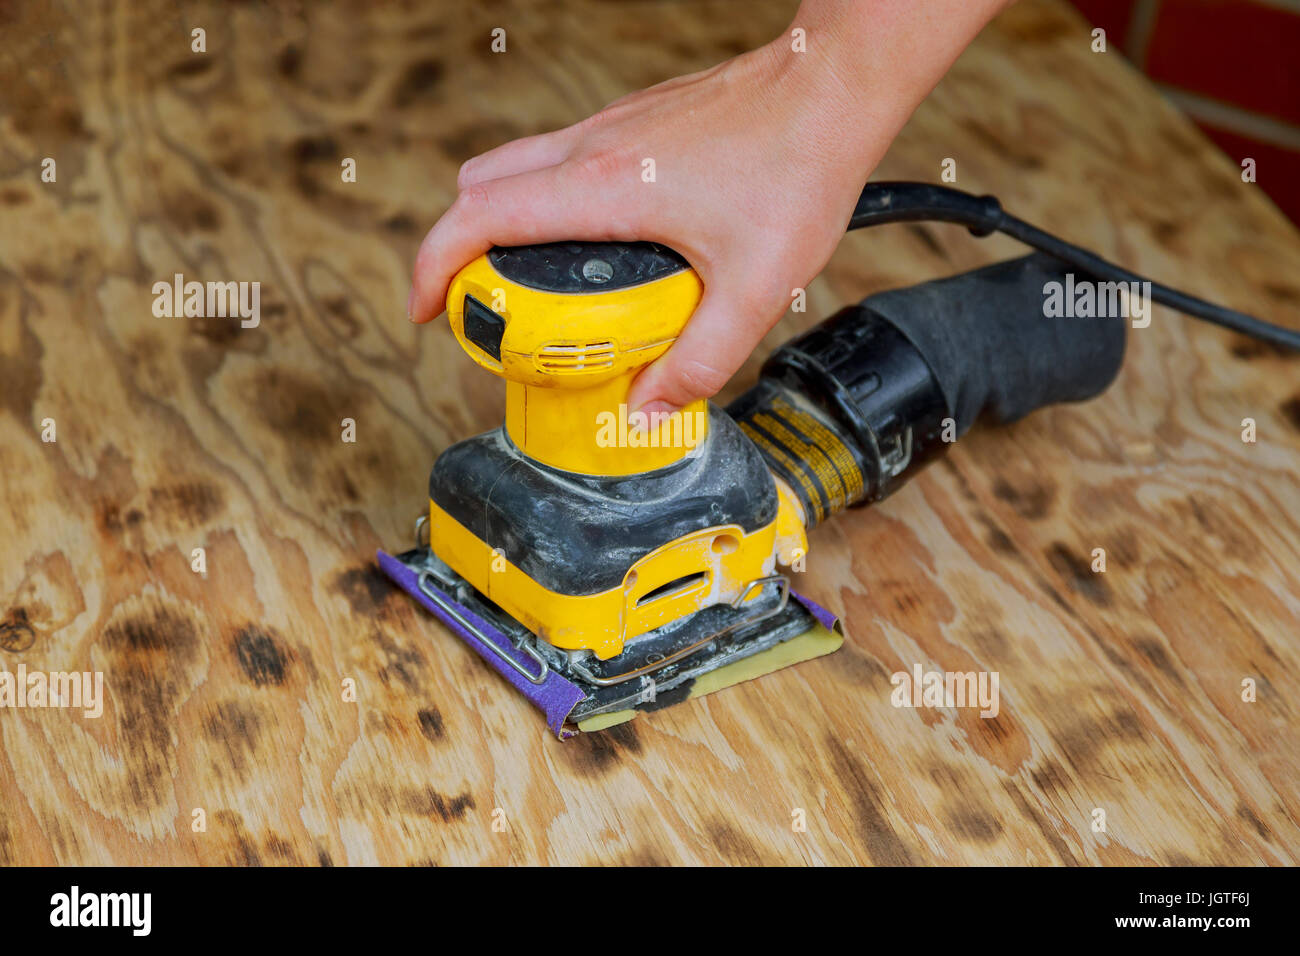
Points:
(607, 562)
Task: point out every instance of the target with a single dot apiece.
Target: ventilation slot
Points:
(563, 357)
(676, 586)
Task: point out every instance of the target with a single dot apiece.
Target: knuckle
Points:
(595, 122)
(700, 379)
(617, 107)
(466, 172)
(602, 163)
(586, 126)
(474, 196)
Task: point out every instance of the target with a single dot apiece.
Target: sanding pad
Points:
(734, 646)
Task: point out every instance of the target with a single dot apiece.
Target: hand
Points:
(758, 163)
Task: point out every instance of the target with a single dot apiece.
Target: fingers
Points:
(518, 156)
(714, 345)
(544, 205)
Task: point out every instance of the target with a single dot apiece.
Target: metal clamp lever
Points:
(453, 612)
(782, 582)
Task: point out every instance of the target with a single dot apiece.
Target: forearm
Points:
(865, 65)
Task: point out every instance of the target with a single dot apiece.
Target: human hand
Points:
(758, 163)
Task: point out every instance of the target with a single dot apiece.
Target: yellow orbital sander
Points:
(606, 562)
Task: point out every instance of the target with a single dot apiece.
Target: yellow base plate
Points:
(814, 642)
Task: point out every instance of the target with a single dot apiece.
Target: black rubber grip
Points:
(993, 349)
(848, 411)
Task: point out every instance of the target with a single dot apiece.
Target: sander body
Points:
(607, 562)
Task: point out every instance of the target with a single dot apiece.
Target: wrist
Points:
(870, 63)
(833, 100)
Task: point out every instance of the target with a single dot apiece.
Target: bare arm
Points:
(758, 163)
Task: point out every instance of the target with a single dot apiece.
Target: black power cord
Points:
(882, 203)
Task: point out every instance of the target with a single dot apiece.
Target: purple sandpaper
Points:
(555, 695)
(824, 617)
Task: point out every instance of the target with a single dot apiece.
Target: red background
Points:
(1233, 66)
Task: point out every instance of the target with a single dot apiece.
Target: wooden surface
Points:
(1119, 691)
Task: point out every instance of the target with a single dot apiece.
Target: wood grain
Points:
(1120, 691)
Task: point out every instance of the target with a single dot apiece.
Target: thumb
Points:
(714, 345)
